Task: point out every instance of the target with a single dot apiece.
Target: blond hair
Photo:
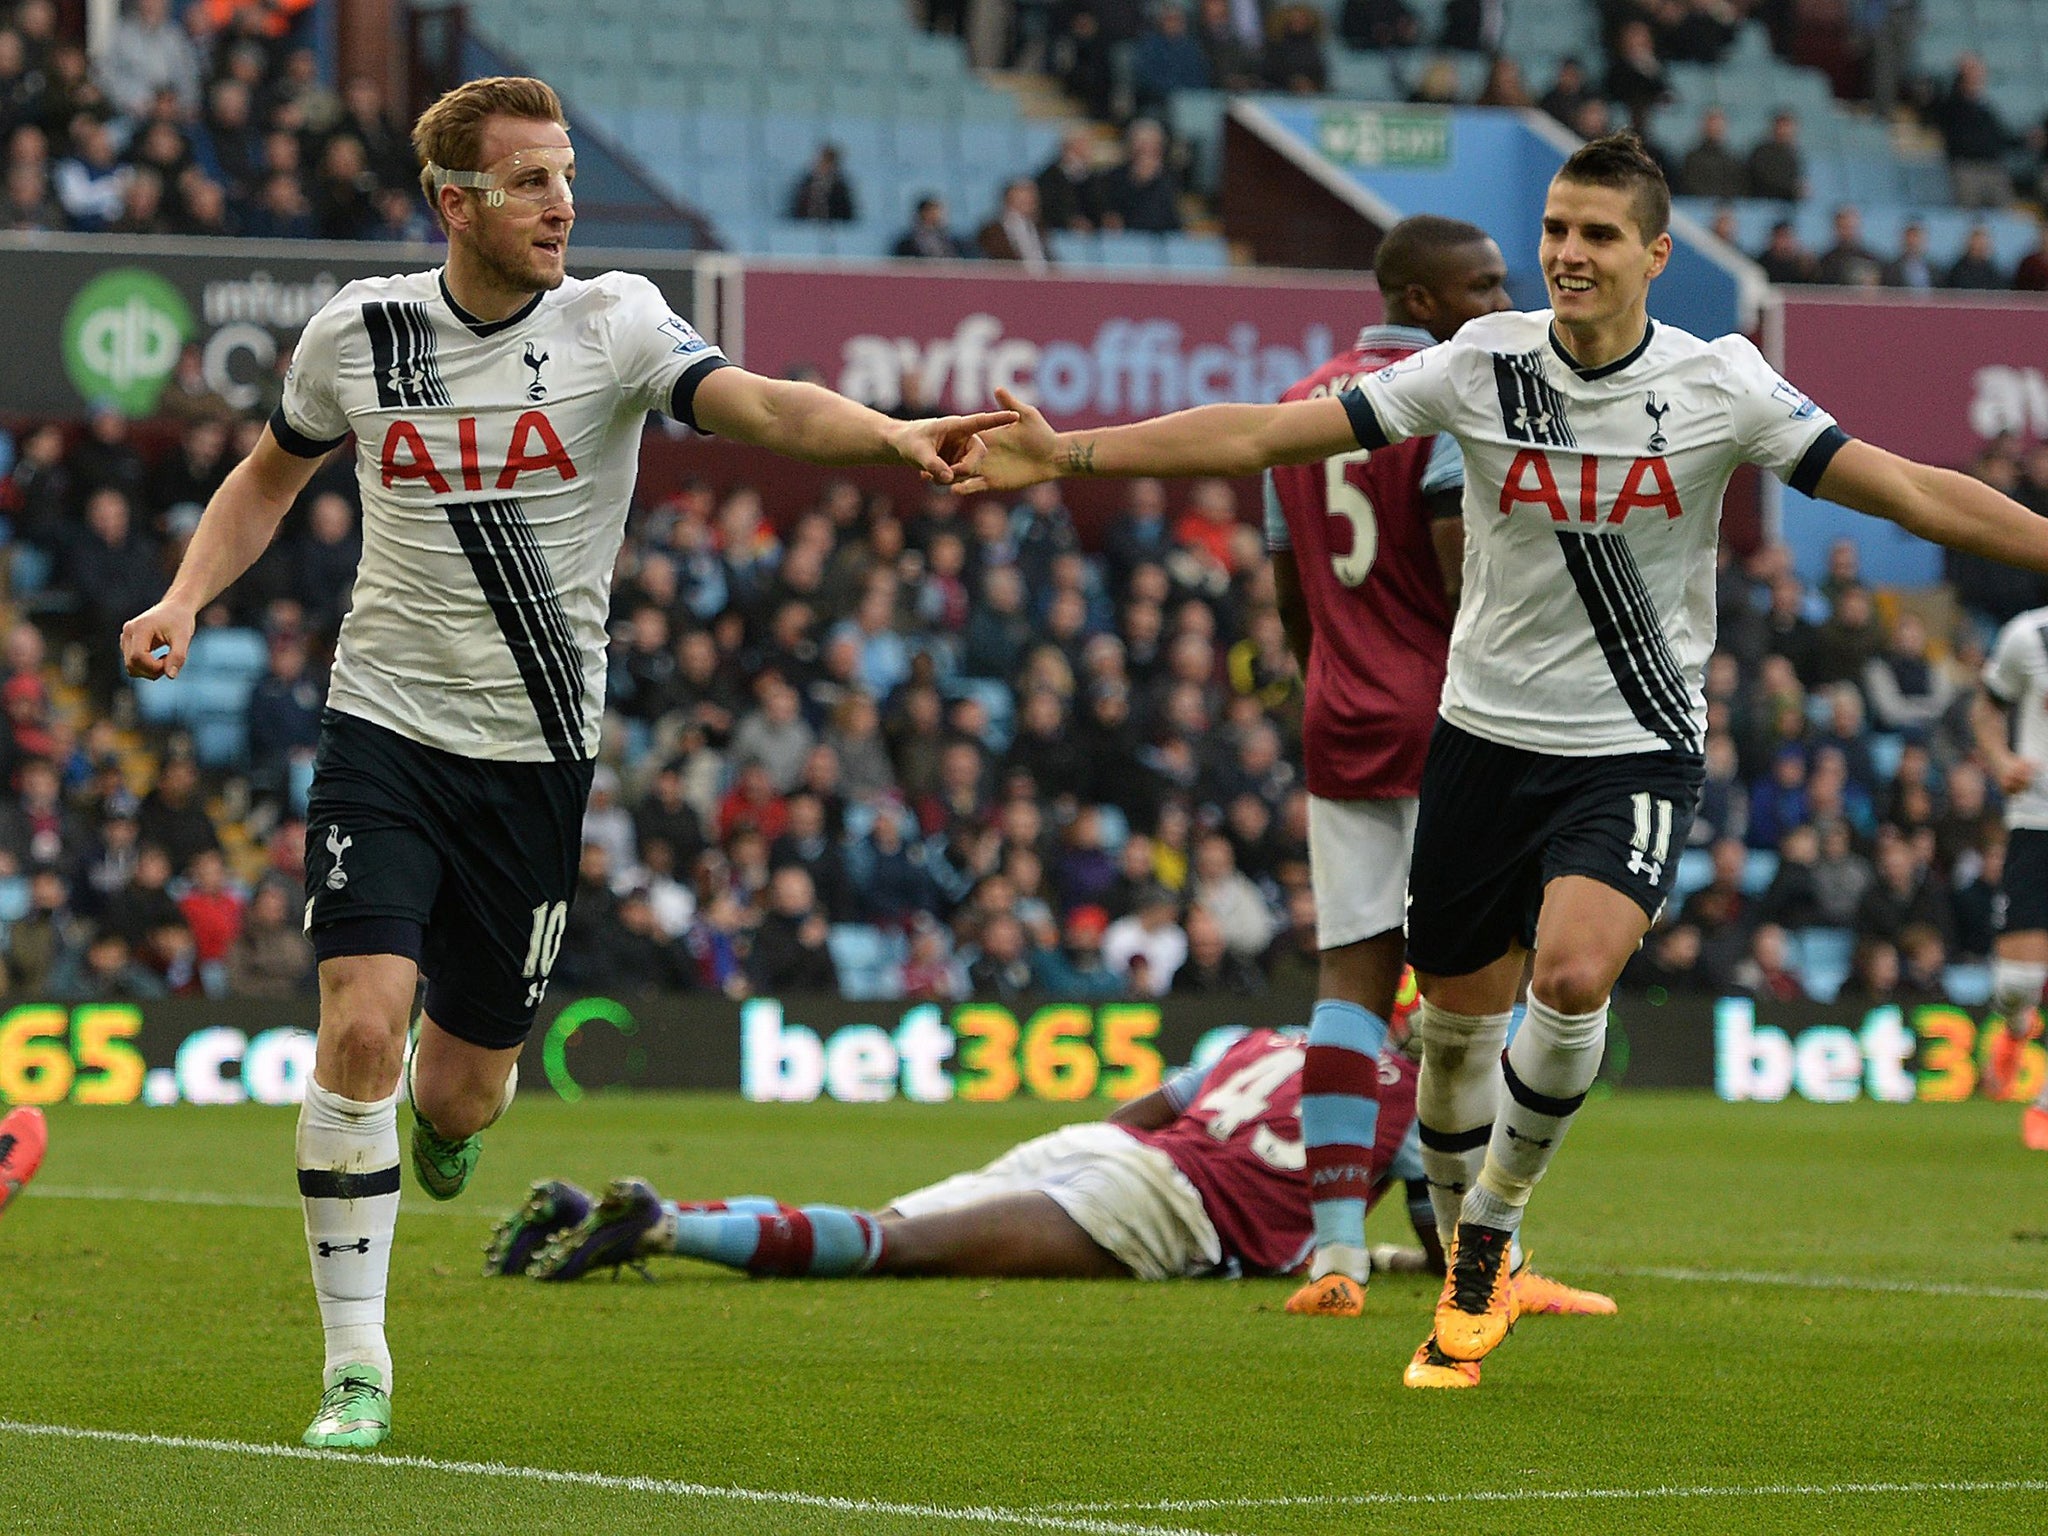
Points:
(450, 133)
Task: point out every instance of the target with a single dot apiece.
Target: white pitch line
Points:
(1834, 1283)
(1556, 1496)
(961, 1514)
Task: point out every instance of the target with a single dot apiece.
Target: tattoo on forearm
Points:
(1079, 459)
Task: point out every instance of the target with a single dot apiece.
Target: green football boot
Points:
(442, 1165)
(355, 1410)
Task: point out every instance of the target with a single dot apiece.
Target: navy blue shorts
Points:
(1497, 824)
(466, 866)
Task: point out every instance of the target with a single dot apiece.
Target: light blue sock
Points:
(1340, 1114)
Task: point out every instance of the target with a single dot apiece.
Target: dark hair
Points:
(1409, 252)
(1620, 160)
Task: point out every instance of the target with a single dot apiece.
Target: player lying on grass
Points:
(1203, 1176)
(23, 1136)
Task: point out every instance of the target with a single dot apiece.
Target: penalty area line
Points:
(1832, 1283)
(1559, 1496)
(958, 1514)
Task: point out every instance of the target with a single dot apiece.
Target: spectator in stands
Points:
(1720, 912)
(1003, 969)
(174, 820)
(1015, 233)
(29, 203)
(344, 192)
(1139, 195)
(1670, 960)
(1569, 91)
(1076, 969)
(1792, 899)
(1069, 190)
(1975, 268)
(1976, 140)
(284, 718)
(1635, 75)
(91, 182)
(281, 211)
(1766, 973)
(111, 565)
(1844, 645)
(106, 970)
(822, 194)
(1166, 58)
(270, 957)
(1777, 802)
(1908, 691)
(147, 51)
(1905, 893)
(1504, 85)
(774, 734)
(228, 144)
(385, 145)
(1295, 60)
(1234, 60)
(1710, 167)
(1911, 268)
(1437, 85)
(1150, 933)
(1841, 875)
(1212, 967)
(1375, 25)
(213, 913)
(1084, 59)
(1849, 263)
(2031, 275)
(1593, 120)
(930, 235)
(1777, 167)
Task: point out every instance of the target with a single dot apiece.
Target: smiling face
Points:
(1596, 261)
(523, 241)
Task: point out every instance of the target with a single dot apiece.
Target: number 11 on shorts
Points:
(542, 945)
(1651, 845)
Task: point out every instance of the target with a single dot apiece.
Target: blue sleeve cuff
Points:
(1805, 476)
(1184, 1087)
(1365, 422)
(1277, 536)
(296, 443)
(682, 399)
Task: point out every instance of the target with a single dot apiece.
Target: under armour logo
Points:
(1535, 425)
(403, 378)
(329, 1250)
(337, 845)
(1658, 442)
(1534, 1141)
(536, 390)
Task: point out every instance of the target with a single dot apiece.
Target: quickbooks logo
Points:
(121, 338)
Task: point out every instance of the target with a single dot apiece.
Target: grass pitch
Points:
(1729, 1400)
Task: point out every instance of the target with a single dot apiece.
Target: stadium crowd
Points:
(931, 748)
(210, 122)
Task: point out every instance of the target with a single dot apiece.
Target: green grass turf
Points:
(198, 1320)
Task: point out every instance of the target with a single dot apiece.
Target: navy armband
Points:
(682, 400)
(1365, 422)
(296, 443)
(1805, 476)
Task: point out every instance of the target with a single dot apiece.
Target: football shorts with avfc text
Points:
(2022, 902)
(468, 866)
(1497, 824)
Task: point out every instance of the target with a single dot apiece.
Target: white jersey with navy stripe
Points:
(496, 463)
(2016, 674)
(1592, 509)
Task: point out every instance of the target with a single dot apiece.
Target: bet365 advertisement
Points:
(794, 1050)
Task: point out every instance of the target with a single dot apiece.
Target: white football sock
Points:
(1456, 1097)
(348, 1184)
(1548, 1069)
(2016, 985)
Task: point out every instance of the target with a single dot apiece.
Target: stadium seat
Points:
(1758, 871)
(228, 652)
(1826, 953)
(1695, 872)
(1128, 248)
(1886, 748)
(1967, 985)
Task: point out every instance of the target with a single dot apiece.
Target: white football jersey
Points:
(2016, 674)
(496, 463)
(1592, 508)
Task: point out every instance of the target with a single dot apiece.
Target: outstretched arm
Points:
(1208, 440)
(1937, 504)
(807, 422)
(238, 525)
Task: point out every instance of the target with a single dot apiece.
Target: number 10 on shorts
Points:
(1651, 844)
(542, 945)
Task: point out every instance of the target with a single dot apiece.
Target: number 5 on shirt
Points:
(1349, 503)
